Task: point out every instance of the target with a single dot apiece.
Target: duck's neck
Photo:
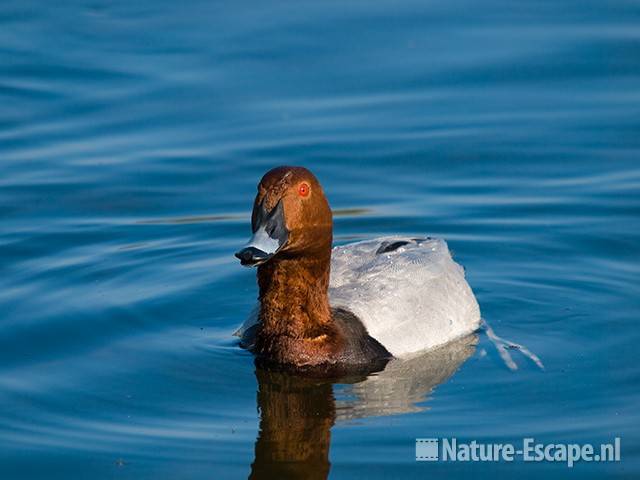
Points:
(296, 323)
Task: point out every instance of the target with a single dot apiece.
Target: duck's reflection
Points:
(296, 416)
(297, 413)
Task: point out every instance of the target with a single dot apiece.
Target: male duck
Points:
(391, 296)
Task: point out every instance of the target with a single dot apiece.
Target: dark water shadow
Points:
(297, 413)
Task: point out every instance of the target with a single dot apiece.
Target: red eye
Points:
(303, 190)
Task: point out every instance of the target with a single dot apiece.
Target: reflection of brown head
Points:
(296, 415)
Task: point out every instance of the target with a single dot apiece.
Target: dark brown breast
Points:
(359, 353)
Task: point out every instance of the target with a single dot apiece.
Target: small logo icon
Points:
(426, 449)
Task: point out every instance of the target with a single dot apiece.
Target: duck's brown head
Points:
(291, 217)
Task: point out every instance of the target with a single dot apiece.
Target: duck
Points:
(350, 308)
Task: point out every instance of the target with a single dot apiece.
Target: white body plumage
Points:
(411, 298)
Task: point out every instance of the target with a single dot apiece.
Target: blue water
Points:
(132, 135)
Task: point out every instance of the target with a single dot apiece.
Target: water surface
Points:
(132, 135)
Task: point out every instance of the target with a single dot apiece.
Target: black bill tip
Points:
(252, 256)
